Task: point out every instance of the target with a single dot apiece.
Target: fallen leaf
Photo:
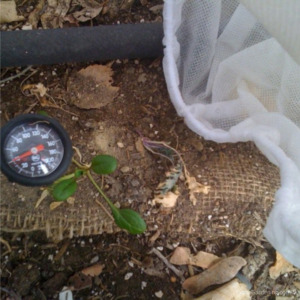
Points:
(8, 12)
(233, 290)
(195, 187)
(38, 89)
(54, 13)
(204, 260)
(34, 16)
(167, 201)
(281, 267)
(91, 9)
(93, 270)
(80, 281)
(221, 272)
(44, 194)
(92, 87)
(297, 284)
(55, 204)
(183, 256)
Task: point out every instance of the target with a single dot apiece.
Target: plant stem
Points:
(111, 205)
(79, 165)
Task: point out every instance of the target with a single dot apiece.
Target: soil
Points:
(37, 267)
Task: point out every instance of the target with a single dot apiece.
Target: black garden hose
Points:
(81, 44)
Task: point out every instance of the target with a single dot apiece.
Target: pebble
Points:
(159, 294)
(95, 259)
(125, 169)
(120, 145)
(128, 276)
(144, 284)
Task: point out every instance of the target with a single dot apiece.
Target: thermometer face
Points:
(35, 150)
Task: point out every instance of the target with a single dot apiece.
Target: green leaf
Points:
(64, 189)
(43, 113)
(78, 173)
(130, 220)
(104, 164)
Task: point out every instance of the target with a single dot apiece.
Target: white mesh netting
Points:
(233, 80)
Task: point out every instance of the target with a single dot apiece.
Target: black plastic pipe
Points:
(81, 44)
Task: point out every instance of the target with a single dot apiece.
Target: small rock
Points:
(159, 294)
(125, 169)
(144, 284)
(120, 145)
(128, 276)
(95, 259)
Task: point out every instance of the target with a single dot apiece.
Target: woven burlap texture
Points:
(242, 186)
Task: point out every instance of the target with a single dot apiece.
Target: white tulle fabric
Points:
(232, 71)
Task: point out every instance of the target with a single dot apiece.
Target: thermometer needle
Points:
(33, 150)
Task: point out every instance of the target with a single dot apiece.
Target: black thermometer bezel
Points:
(41, 180)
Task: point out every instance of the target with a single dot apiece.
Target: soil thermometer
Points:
(35, 150)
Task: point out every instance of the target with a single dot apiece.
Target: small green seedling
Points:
(66, 186)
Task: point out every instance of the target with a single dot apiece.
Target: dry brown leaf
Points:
(34, 16)
(55, 204)
(204, 260)
(92, 87)
(91, 9)
(297, 284)
(195, 187)
(80, 281)
(54, 14)
(167, 201)
(44, 194)
(220, 272)
(38, 89)
(93, 270)
(183, 256)
(233, 290)
(8, 12)
(281, 267)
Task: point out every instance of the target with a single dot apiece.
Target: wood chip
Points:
(231, 290)
(221, 272)
(93, 270)
(183, 256)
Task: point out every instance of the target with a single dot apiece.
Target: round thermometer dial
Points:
(35, 150)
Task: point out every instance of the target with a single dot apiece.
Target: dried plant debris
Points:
(167, 200)
(90, 10)
(281, 266)
(98, 90)
(164, 191)
(183, 256)
(221, 272)
(54, 13)
(8, 12)
(229, 291)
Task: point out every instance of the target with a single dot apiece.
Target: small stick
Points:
(15, 76)
(166, 262)
(6, 244)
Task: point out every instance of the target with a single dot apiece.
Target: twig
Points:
(166, 262)
(3, 241)
(104, 208)
(15, 76)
